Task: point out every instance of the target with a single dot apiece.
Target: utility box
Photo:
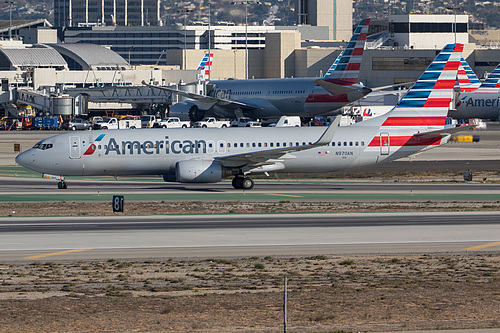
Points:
(118, 203)
(468, 176)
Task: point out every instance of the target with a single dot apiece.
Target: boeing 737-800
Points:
(208, 155)
(273, 98)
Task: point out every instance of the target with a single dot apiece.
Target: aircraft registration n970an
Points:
(203, 155)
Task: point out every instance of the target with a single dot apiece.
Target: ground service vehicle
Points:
(114, 123)
(172, 122)
(75, 124)
(147, 121)
(245, 122)
(212, 122)
(287, 121)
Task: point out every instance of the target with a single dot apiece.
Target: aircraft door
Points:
(74, 147)
(385, 143)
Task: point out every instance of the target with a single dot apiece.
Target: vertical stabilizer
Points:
(347, 65)
(467, 79)
(425, 106)
(492, 82)
(205, 65)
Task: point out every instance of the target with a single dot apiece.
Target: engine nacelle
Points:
(198, 171)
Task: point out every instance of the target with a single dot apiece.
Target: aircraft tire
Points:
(247, 183)
(237, 182)
(62, 185)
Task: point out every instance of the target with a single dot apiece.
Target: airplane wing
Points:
(203, 98)
(271, 156)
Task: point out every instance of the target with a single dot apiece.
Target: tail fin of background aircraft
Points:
(425, 106)
(334, 65)
(467, 79)
(347, 65)
(492, 82)
(206, 65)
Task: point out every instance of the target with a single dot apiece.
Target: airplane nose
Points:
(24, 159)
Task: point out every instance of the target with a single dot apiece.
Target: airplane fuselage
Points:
(483, 105)
(158, 151)
(274, 98)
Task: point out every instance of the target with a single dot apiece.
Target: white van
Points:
(287, 121)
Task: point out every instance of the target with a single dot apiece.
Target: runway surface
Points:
(246, 235)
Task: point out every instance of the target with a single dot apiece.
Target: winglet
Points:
(327, 136)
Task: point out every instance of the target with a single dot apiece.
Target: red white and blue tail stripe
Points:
(334, 65)
(467, 79)
(425, 106)
(492, 82)
(205, 65)
(346, 67)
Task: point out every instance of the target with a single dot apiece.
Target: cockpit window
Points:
(43, 146)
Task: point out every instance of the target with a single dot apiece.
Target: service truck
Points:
(245, 122)
(115, 123)
(172, 122)
(147, 121)
(212, 122)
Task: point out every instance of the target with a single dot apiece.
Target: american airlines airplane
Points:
(478, 100)
(207, 155)
(273, 98)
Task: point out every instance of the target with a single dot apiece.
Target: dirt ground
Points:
(234, 207)
(325, 294)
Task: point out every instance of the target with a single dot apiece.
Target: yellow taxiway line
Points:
(479, 247)
(55, 254)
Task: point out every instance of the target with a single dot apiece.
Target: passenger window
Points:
(357, 143)
(350, 143)
(303, 143)
(296, 143)
(333, 144)
(265, 144)
(339, 143)
(362, 143)
(253, 144)
(260, 144)
(345, 143)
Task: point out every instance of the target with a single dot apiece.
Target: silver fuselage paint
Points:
(156, 151)
(274, 98)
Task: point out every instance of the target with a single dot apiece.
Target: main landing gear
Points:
(62, 185)
(243, 183)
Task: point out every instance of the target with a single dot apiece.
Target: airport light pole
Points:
(209, 46)
(246, 3)
(10, 2)
(454, 8)
(185, 11)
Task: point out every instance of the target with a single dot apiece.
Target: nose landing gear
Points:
(62, 185)
(243, 183)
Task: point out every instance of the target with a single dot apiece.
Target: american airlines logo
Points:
(157, 147)
(481, 102)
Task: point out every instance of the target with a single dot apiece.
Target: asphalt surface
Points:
(246, 235)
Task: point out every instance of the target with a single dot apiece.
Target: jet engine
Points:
(198, 171)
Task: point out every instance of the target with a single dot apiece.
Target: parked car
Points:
(76, 124)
